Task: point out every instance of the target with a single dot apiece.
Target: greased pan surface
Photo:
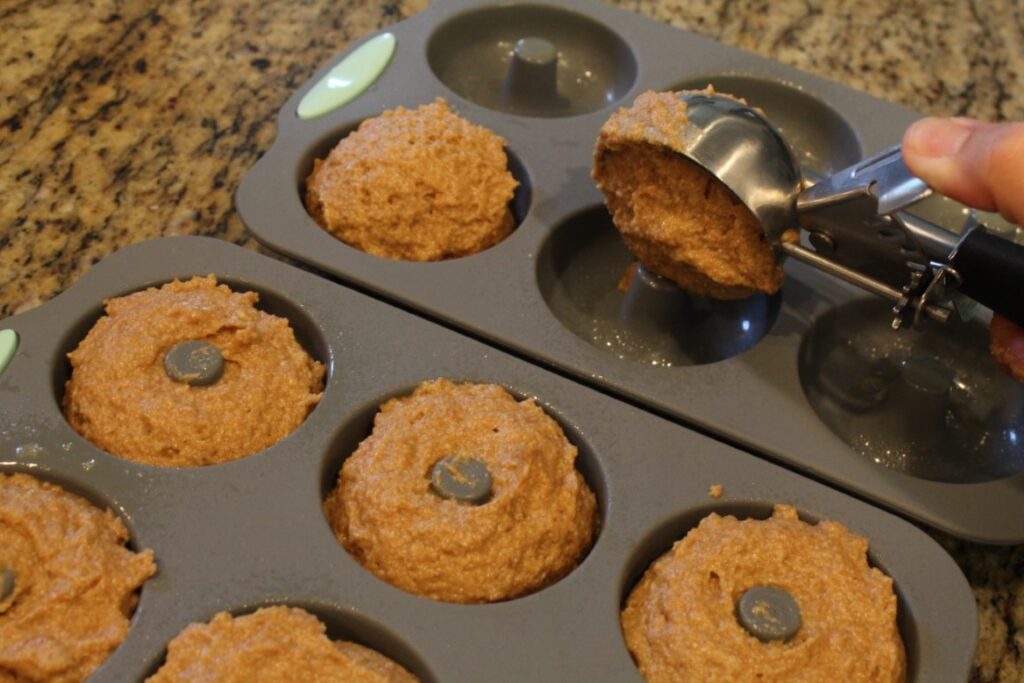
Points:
(251, 532)
(523, 289)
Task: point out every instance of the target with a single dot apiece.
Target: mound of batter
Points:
(1006, 342)
(677, 219)
(121, 398)
(68, 584)
(536, 525)
(680, 624)
(420, 185)
(271, 645)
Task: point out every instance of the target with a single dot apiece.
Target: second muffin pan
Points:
(758, 374)
(252, 532)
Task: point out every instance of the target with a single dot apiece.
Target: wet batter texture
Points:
(678, 220)
(538, 523)
(271, 645)
(120, 398)
(74, 582)
(1006, 342)
(420, 185)
(680, 624)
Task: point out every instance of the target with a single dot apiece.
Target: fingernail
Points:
(938, 138)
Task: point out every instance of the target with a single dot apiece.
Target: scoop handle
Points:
(992, 270)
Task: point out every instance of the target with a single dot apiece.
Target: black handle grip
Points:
(992, 269)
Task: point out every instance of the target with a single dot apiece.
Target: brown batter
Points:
(120, 398)
(679, 622)
(1006, 342)
(678, 220)
(271, 645)
(420, 185)
(75, 582)
(535, 528)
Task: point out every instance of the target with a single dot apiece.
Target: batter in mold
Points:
(1007, 346)
(464, 494)
(419, 184)
(68, 584)
(273, 644)
(765, 601)
(189, 374)
(678, 220)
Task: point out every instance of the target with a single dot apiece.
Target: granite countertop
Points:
(123, 121)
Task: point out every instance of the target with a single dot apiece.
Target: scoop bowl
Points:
(736, 144)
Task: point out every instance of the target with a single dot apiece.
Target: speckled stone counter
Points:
(121, 121)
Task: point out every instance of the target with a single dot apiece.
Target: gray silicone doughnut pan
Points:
(548, 291)
(251, 532)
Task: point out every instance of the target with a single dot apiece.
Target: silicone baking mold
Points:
(252, 532)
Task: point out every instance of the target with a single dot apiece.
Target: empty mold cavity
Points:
(930, 403)
(359, 425)
(652, 321)
(521, 198)
(663, 537)
(532, 60)
(821, 139)
(345, 624)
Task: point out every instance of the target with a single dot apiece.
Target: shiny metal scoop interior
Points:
(852, 218)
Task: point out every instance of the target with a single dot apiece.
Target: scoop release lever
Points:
(855, 218)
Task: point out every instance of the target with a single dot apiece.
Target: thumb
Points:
(978, 164)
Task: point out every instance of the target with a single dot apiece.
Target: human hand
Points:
(981, 165)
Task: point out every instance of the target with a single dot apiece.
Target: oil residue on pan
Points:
(921, 402)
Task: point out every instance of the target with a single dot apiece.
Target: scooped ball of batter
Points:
(273, 644)
(421, 185)
(68, 584)
(406, 504)
(678, 220)
(681, 622)
(133, 395)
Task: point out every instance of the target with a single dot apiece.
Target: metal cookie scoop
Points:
(853, 218)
